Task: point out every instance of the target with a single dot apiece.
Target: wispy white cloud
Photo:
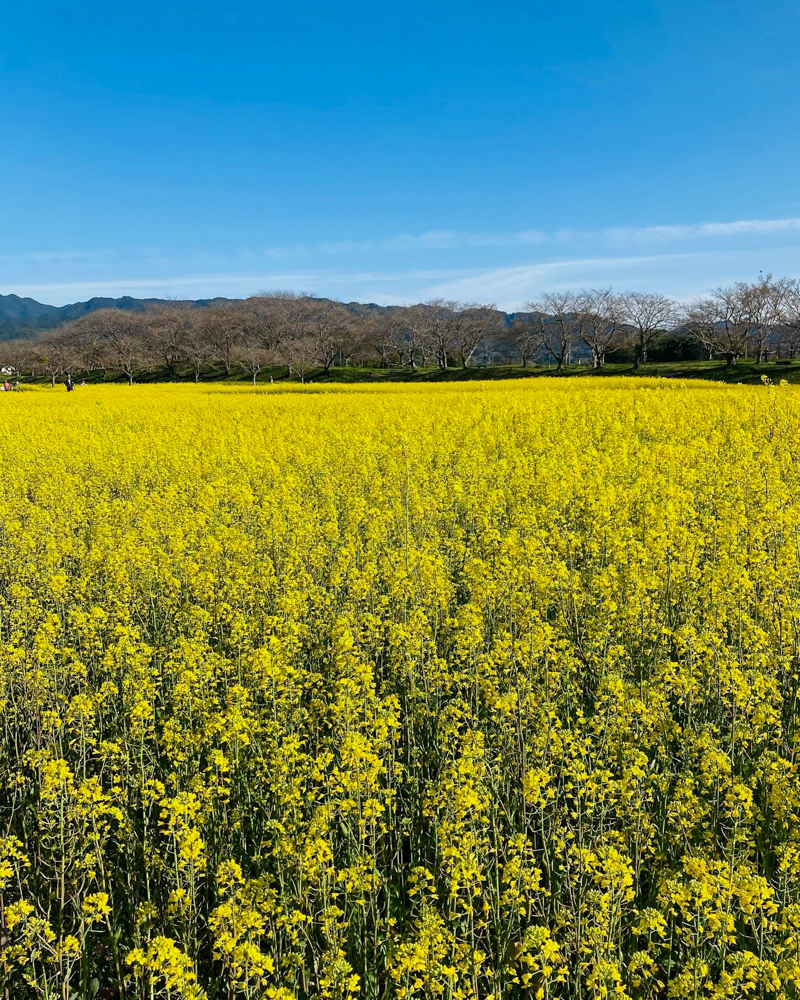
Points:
(247, 283)
(702, 230)
(615, 236)
(435, 239)
(681, 275)
(679, 260)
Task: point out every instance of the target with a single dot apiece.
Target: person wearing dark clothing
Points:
(69, 383)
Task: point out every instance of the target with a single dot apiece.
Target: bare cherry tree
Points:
(198, 348)
(251, 357)
(385, 333)
(166, 334)
(221, 326)
(266, 319)
(280, 320)
(598, 315)
(331, 329)
(436, 322)
(790, 318)
(721, 323)
(558, 324)
(54, 355)
(86, 340)
(300, 356)
(526, 336)
(763, 304)
(649, 314)
(421, 343)
(472, 326)
(18, 355)
(125, 344)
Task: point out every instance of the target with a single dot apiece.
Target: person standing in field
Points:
(69, 383)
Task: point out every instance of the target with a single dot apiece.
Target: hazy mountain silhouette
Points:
(25, 317)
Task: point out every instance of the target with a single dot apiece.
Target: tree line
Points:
(759, 319)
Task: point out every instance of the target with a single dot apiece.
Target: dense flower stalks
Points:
(411, 692)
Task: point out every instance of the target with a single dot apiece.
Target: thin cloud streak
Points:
(254, 280)
(682, 275)
(612, 236)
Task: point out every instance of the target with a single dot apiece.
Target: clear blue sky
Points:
(397, 151)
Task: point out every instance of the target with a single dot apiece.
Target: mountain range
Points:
(25, 317)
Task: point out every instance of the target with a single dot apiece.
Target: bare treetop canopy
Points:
(305, 333)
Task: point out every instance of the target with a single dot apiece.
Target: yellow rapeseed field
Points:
(454, 691)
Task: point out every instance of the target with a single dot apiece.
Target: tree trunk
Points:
(254, 379)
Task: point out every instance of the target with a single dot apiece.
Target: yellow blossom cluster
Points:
(403, 692)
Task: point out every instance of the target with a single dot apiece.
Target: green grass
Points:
(744, 372)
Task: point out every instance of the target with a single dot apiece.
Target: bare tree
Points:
(280, 320)
(721, 322)
(790, 319)
(385, 333)
(649, 314)
(331, 330)
(251, 357)
(763, 303)
(418, 345)
(558, 324)
(472, 325)
(166, 334)
(598, 312)
(123, 340)
(54, 355)
(732, 328)
(18, 355)
(199, 351)
(221, 327)
(436, 323)
(526, 335)
(266, 319)
(700, 319)
(86, 339)
(301, 356)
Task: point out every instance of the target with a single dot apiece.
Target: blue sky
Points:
(394, 152)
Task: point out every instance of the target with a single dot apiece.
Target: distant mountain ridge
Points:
(25, 317)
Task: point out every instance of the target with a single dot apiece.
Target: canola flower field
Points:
(400, 692)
